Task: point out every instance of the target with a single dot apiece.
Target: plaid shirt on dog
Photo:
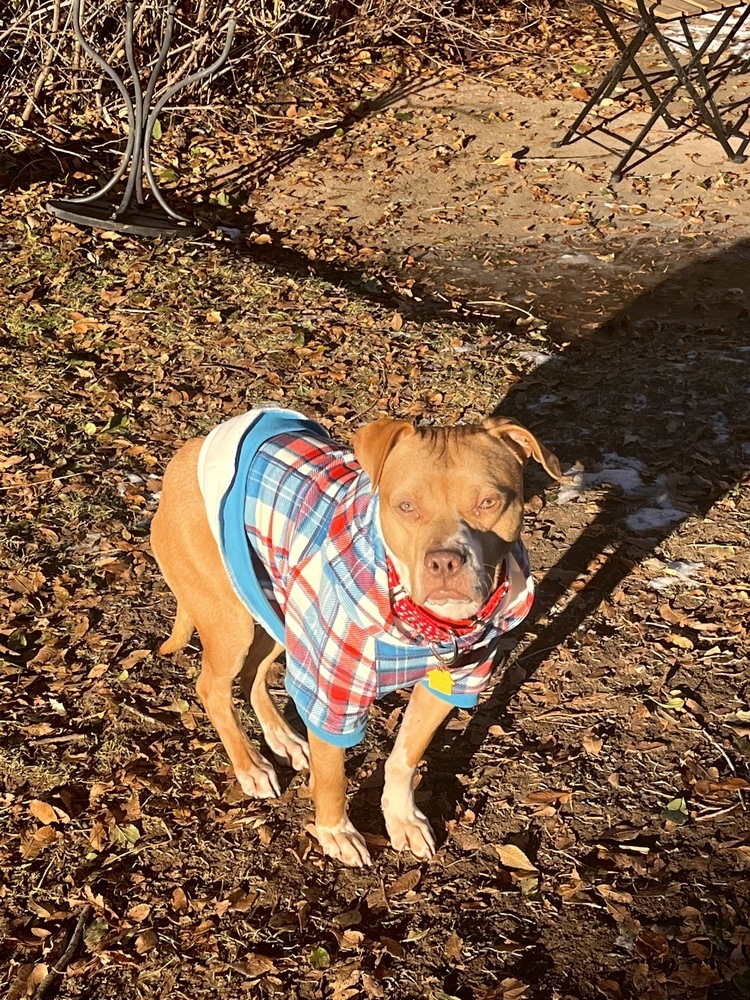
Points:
(297, 525)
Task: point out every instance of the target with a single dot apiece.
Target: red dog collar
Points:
(432, 627)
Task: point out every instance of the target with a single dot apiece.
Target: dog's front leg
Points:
(335, 832)
(407, 826)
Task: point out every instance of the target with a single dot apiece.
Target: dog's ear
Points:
(523, 443)
(373, 443)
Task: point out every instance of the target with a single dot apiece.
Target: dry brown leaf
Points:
(670, 615)
(547, 796)
(377, 900)
(42, 811)
(180, 900)
(265, 833)
(513, 857)
(592, 744)
(132, 658)
(33, 842)
(393, 947)
(349, 940)
(256, 966)
(681, 641)
(405, 882)
(513, 989)
(610, 988)
(139, 912)
(453, 947)
(609, 893)
(146, 941)
(98, 838)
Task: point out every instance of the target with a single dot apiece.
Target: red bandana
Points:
(430, 627)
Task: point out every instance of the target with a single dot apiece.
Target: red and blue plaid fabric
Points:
(311, 520)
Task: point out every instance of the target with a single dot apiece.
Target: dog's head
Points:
(451, 504)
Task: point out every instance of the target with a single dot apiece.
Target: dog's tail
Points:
(182, 632)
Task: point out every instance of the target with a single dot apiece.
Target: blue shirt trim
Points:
(348, 739)
(232, 516)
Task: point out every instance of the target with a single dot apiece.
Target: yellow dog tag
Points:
(440, 680)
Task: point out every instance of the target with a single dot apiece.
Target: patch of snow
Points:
(578, 258)
(654, 518)
(720, 426)
(535, 358)
(701, 28)
(679, 572)
(626, 475)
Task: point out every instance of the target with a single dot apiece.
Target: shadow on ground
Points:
(655, 407)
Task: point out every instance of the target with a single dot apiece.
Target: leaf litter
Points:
(592, 814)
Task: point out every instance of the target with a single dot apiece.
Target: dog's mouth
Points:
(462, 598)
(449, 595)
(455, 608)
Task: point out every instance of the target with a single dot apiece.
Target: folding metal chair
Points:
(691, 75)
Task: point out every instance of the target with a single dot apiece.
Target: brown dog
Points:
(393, 566)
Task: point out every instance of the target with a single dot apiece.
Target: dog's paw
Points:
(342, 842)
(259, 781)
(289, 747)
(411, 833)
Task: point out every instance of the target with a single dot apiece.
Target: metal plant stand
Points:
(132, 214)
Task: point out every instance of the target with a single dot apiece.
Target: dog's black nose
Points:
(444, 562)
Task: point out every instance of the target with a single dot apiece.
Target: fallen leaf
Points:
(254, 966)
(34, 842)
(319, 958)
(453, 947)
(146, 941)
(676, 811)
(42, 811)
(139, 912)
(513, 857)
(180, 900)
(592, 744)
(350, 918)
(405, 882)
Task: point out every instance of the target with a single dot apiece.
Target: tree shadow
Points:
(655, 406)
(246, 177)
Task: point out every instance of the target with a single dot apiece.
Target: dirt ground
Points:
(431, 259)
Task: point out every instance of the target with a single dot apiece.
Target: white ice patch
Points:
(679, 572)
(626, 475)
(720, 426)
(535, 358)
(701, 28)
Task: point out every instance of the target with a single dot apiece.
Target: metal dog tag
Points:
(440, 680)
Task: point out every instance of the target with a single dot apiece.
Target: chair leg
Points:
(684, 76)
(606, 86)
(641, 34)
(712, 117)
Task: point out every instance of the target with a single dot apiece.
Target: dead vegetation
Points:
(593, 814)
(44, 67)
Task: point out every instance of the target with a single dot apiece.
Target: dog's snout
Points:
(444, 562)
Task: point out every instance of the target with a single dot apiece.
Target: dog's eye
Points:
(488, 504)
(406, 507)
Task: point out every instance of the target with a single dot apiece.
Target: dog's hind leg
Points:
(189, 558)
(225, 648)
(281, 738)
